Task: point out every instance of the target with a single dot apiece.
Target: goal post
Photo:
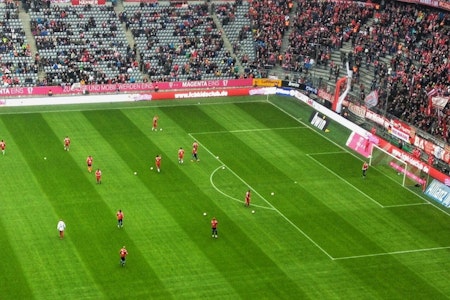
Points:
(395, 168)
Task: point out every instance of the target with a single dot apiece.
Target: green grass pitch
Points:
(324, 233)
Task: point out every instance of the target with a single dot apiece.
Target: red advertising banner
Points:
(88, 2)
(411, 175)
(402, 131)
(123, 87)
(321, 93)
(191, 94)
(360, 3)
(413, 161)
(444, 4)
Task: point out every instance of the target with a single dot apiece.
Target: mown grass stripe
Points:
(190, 199)
(13, 275)
(177, 257)
(99, 251)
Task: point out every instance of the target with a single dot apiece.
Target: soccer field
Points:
(318, 231)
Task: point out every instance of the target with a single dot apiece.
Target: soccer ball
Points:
(204, 214)
(272, 193)
(160, 129)
(253, 211)
(151, 168)
(45, 158)
(135, 173)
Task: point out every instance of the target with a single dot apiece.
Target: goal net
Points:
(395, 168)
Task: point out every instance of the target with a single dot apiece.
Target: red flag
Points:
(432, 92)
(429, 107)
(430, 95)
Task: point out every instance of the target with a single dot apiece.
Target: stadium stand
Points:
(236, 24)
(270, 21)
(178, 43)
(83, 44)
(318, 29)
(417, 39)
(398, 49)
(18, 67)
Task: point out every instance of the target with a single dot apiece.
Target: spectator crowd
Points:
(402, 48)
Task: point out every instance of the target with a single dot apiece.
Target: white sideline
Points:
(117, 98)
(54, 100)
(391, 253)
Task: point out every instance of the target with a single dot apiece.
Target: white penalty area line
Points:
(348, 183)
(391, 253)
(268, 203)
(354, 155)
(406, 204)
(358, 190)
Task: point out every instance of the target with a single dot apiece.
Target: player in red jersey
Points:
(158, 162)
(214, 223)
(89, 161)
(247, 198)
(180, 155)
(3, 146)
(155, 123)
(365, 166)
(98, 176)
(66, 143)
(195, 151)
(119, 218)
(123, 256)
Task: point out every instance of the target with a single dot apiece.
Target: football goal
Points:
(397, 169)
